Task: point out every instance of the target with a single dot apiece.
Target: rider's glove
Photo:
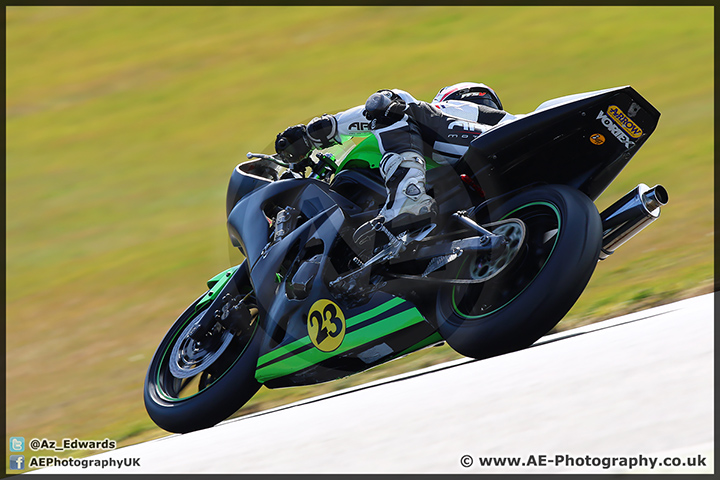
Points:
(384, 108)
(293, 145)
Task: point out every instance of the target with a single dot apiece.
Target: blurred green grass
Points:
(123, 124)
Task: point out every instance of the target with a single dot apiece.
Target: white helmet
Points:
(477, 93)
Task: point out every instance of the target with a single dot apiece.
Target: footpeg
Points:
(439, 262)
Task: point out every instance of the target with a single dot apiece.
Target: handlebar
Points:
(271, 158)
(321, 169)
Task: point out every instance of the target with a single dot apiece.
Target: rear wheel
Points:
(193, 381)
(518, 305)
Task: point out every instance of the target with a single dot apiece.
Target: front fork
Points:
(233, 315)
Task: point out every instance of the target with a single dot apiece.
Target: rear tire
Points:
(527, 299)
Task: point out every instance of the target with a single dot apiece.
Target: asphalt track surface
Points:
(606, 398)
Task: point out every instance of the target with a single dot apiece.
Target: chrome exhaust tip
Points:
(630, 215)
(655, 197)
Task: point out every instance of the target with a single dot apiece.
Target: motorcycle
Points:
(515, 242)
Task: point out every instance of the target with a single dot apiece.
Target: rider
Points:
(407, 130)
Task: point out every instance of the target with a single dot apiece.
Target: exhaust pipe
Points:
(628, 216)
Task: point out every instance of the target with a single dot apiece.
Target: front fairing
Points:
(249, 219)
(379, 327)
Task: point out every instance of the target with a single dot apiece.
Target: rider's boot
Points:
(408, 206)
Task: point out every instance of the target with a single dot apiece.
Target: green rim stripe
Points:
(557, 213)
(304, 341)
(170, 399)
(353, 340)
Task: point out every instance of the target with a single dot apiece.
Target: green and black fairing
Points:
(515, 242)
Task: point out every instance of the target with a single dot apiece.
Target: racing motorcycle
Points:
(515, 242)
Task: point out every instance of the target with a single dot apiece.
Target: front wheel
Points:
(194, 381)
(530, 296)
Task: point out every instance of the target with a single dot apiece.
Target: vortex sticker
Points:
(326, 325)
(615, 129)
(597, 138)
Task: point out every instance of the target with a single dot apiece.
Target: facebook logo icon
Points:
(17, 462)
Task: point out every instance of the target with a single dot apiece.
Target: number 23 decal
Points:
(326, 325)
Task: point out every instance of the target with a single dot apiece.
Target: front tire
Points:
(532, 294)
(190, 386)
